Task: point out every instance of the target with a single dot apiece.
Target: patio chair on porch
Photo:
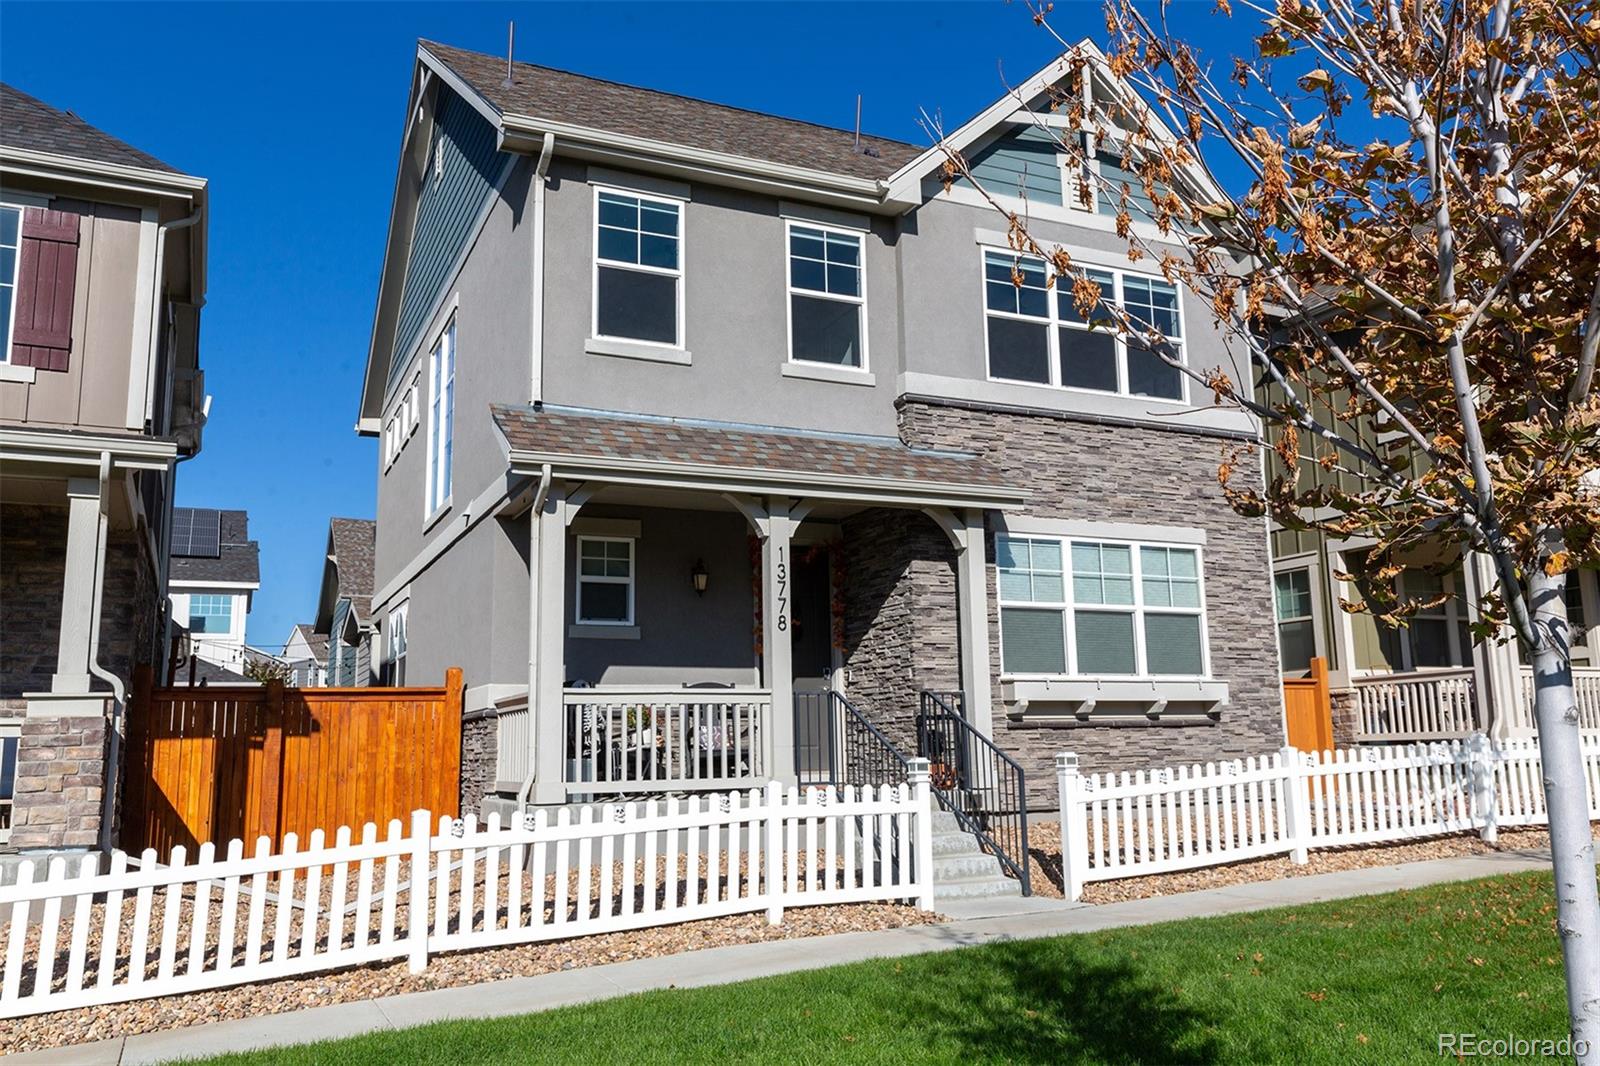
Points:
(717, 745)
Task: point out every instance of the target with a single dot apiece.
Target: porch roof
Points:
(734, 457)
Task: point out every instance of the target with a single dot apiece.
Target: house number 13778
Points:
(782, 598)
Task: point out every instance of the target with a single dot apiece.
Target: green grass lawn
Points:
(1367, 980)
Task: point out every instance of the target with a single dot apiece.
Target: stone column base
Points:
(1345, 717)
(60, 784)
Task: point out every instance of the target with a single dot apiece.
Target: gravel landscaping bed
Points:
(444, 971)
(1044, 846)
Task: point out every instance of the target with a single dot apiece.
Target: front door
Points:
(811, 644)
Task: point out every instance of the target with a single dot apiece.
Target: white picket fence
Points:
(138, 930)
(1184, 817)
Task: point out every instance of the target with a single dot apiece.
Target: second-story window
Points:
(1036, 335)
(10, 255)
(441, 416)
(638, 268)
(210, 613)
(827, 301)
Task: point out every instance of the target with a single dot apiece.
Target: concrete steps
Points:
(963, 870)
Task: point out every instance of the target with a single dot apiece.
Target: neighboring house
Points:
(306, 652)
(102, 276)
(672, 395)
(344, 609)
(1427, 679)
(216, 569)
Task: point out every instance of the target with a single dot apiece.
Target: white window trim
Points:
(1313, 568)
(12, 728)
(790, 292)
(630, 581)
(432, 508)
(401, 612)
(1069, 607)
(16, 274)
(1054, 323)
(680, 274)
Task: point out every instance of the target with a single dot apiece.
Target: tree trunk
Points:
(1567, 800)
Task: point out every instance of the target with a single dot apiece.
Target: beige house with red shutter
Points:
(102, 276)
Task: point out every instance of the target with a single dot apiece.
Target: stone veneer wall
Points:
(480, 741)
(61, 766)
(901, 569)
(900, 617)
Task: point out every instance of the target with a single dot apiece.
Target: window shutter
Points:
(46, 280)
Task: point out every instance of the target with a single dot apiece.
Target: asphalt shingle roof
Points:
(602, 435)
(30, 123)
(561, 96)
(239, 558)
(354, 543)
(317, 642)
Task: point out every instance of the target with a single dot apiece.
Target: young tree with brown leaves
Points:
(1413, 268)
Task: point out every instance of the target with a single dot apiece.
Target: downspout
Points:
(536, 349)
(119, 691)
(155, 319)
(533, 630)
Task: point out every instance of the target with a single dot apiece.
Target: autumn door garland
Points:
(808, 554)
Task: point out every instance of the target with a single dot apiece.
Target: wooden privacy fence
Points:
(1180, 818)
(1308, 709)
(226, 918)
(222, 762)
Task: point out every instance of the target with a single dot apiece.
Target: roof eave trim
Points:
(128, 453)
(755, 481)
(106, 175)
(525, 133)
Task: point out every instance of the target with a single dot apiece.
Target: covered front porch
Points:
(697, 639)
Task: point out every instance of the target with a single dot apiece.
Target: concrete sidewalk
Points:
(1017, 920)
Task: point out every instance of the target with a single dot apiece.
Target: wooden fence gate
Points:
(224, 761)
(1308, 709)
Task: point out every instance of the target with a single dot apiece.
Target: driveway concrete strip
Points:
(525, 995)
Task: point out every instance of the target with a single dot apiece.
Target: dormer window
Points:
(638, 284)
(827, 297)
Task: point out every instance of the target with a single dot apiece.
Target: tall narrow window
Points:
(10, 256)
(1018, 319)
(638, 268)
(394, 646)
(1296, 632)
(1033, 605)
(605, 581)
(441, 416)
(1153, 302)
(1088, 345)
(1170, 585)
(1102, 589)
(827, 301)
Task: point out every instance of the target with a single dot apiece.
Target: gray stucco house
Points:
(688, 414)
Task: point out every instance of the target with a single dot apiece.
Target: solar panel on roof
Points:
(197, 532)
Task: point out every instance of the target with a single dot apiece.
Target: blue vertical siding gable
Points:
(1024, 160)
(449, 202)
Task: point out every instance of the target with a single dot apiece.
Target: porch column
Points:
(77, 586)
(547, 613)
(972, 594)
(777, 658)
(1496, 667)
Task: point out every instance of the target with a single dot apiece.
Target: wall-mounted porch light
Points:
(699, 577)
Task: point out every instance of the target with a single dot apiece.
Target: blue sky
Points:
(294, 111)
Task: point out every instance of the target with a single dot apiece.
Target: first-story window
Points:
(827, 301)
(1094, 608)
(10, 738)
(209, 613)
(394, 646)
(1297, 642)
(638, 268)
(441, 416)
(605, 581)
(1037, 335)
(10, 260)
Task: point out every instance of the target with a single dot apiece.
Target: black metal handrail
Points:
(835, 744)
(974, 780)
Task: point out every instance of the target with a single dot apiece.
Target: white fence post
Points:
(1485, 804)
(1296, 804)
(772, 853)
(917, 777)
(1074, 839)
(421, 859)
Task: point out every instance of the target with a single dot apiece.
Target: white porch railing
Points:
(653, 739)
(513, 741)
(1585, 686)
(1427, 705)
